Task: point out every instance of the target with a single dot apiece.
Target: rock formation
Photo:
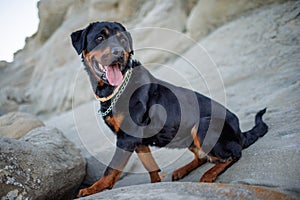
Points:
(41, 165)
(244, 54)
(35, 74)
(16, 124)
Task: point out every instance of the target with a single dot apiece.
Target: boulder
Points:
(41, 165)
(81, 127)
(191, 191)
(17, 124)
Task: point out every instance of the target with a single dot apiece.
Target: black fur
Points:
(174, 131)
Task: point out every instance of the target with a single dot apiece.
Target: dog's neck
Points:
(105, 93)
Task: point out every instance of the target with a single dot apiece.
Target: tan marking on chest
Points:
(115, 121)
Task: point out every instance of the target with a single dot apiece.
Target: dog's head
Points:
(106, 48)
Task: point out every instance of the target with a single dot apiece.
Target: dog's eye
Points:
(99, 39)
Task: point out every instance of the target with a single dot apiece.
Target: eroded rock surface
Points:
(41, 165)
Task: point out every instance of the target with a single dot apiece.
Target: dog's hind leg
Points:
(199, 159)
(211, 175)
(149, 163)
(185, 170)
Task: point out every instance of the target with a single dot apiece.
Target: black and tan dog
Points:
(130, 96)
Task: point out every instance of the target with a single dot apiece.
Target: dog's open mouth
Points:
(110, 73)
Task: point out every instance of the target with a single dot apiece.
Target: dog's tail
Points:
(259, 130)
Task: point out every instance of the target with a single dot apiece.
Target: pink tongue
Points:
(114, 75)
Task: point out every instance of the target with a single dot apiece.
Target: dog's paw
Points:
(85, 192)
(178, 174)
(207, 178)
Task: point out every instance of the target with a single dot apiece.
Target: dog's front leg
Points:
(148, 161)
(111, 173)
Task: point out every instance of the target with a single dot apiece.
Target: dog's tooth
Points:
(100, 67)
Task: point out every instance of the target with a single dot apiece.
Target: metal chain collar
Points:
(116, 98)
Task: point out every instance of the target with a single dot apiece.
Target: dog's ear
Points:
(79, 40)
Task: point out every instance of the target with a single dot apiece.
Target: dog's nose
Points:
(117, 51)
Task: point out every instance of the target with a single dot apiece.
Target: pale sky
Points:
(19, 19)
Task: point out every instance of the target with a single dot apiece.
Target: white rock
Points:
(16, 124)
(41, 165)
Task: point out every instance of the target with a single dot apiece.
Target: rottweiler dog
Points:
(144, 111)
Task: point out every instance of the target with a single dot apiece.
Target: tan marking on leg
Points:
(201, 154)
(185, 170)
(111, 173)
(149, 163)
(106, 182)
(211, 175)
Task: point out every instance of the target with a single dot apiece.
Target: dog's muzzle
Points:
(110, 74)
